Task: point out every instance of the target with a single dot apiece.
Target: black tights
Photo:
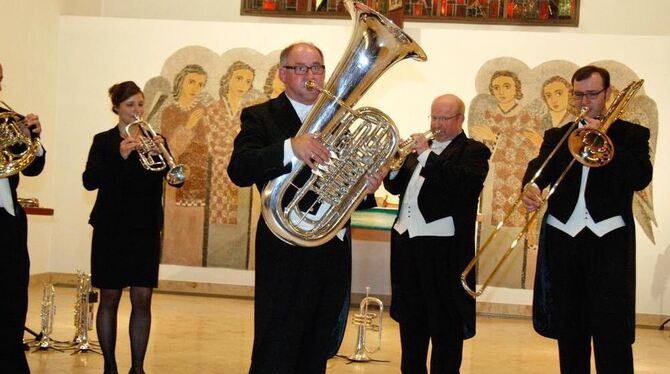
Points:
(140, 325)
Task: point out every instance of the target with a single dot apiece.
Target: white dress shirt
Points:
(581, 218)
(410, 218)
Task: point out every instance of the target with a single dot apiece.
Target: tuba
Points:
(17, 150)
(590, 147)
(360, 141)
(176, 174)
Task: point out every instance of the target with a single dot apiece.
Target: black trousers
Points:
(14, 273)
(424, 304)
(589, 280)
(299, 294)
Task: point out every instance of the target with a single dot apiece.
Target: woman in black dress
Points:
(127, 219)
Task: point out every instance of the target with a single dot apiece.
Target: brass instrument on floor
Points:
(176, 173)
(17, 150)
(47, 314)
(365, 320)
(360, 141)
(83, 313)
(590, 147)
(407, 147)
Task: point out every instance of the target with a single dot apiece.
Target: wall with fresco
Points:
(96, 52)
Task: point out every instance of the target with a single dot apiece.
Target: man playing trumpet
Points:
(433, 240)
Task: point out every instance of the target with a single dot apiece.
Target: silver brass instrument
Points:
(176, 173)
(83, 313)
(360, 141)
(17, 150)
(588, 146)
(365, 320)
(406, 147)
(47, 314)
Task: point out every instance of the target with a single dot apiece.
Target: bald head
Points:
(447, 115)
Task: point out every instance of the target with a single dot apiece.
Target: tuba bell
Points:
(17, 150)
(176, 173)
(360, 141)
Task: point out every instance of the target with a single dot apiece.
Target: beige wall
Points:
(73, 59)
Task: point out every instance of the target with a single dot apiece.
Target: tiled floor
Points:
(197, 334)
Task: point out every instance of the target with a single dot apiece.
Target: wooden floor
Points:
(197, 334)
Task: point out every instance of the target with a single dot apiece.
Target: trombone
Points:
(591, 147)
(176, 174)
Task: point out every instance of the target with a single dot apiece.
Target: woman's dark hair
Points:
(121, 91)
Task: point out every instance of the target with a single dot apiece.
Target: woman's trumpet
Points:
(176, 174)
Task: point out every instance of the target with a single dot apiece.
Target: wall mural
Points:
(195, 103)
(513, 107)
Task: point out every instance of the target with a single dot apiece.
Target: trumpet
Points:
(365, 320)
(83, 313)
(406, 147)
(47, 314)
(17, 150)
(176, 174)
(590, 147)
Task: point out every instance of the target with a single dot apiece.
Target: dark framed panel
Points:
(508, 12)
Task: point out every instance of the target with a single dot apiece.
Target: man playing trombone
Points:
(585, 281)
(433, 239)
(14, 261)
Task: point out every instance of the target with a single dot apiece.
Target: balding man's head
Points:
(447, 115)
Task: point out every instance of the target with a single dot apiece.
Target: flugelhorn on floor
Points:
(588, 146)
(176, 173)
(17, 150)
(365, 320)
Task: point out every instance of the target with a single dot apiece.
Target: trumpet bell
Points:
(176, 175)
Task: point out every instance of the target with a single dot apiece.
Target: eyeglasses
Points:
(443, 118)
(302, 69)
(591, 95)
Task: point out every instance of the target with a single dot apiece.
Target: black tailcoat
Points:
(609, 192)
(453, 182)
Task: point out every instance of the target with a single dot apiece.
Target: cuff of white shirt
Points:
(288, 151)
